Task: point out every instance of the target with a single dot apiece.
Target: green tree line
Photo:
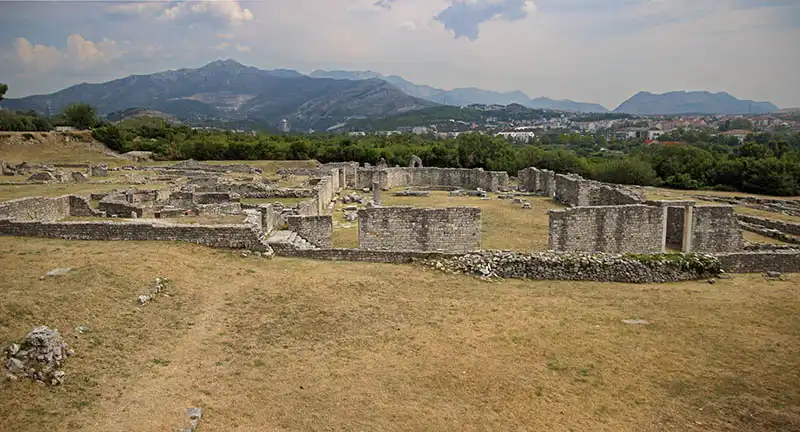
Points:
(764, 163)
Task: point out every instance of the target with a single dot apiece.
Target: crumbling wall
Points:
(782, 226)
(219, 236)
(271, 219)
(453, 229)
(79, 206)
(36, 208)
(317, 230)
(715, 229)
(452, 177)
(575, 191)
(614, 229)
(120, 209)
(539, 182)
(569, 191)
(787, 261)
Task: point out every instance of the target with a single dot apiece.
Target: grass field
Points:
(303, 345)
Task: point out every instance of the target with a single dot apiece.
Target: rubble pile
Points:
(581, 266)
(38, 357)
(160, 287)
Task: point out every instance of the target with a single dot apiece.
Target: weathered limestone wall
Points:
(318, 230)
(271, 219)
(539, 182)
(757, 262)
(219, 236)
(614, 229)
(784, 227)
(453, 177)
(715, 229)
(454, 229)
(323, 193)
(35, 208)
(574, 191)
(120, 209)
(569, 192)
(79, 206)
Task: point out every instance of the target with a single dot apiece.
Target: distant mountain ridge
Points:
(693, 102)
(226, 90)
(464, 96)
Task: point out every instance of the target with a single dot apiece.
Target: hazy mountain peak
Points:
(691, 102)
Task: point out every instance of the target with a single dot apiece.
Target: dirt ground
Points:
(288, 344)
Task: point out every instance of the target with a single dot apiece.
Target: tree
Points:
(80, 116)
(3, 90)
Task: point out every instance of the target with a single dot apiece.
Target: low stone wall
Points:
(466, 178)
(575, 191)
(120, 209)
(611, 229)
(35, 208)
(586, 267)
(785, 227)
(715, 229)
(769, 232)
(317, 230)
(79, 206)
(787, 261)
(453, 229)
(360, 255)
(218, 236)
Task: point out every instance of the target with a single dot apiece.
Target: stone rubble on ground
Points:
(579, 266)
(636, 322)
(160, 287)
(56, 272)
(772, 275)
(38, 357)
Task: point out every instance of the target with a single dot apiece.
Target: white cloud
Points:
(80, 53)
(134, 8)
(592, 50)
(230, 11)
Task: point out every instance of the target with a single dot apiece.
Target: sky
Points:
(601, 51)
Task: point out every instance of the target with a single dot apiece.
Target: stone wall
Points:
(453, 177)
(454, 229)
(218, 236)
(626, 228)
(574, 191)
(271, 219)
(120, 209)
(715, 229)
(757, 262)
(536, 181)
(784, 227)
(79, 206)
(35, 208)
(317, 230)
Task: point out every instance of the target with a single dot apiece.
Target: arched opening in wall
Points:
(415, 162)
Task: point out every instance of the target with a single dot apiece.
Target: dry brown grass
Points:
(54, 147)
(504, 224)
(302, 345)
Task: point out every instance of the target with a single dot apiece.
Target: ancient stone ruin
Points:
(599, 218)
(38, 357)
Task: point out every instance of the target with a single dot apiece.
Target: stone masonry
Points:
(453, 229)
(614, 229)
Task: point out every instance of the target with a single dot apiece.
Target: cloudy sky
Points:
(600, 51)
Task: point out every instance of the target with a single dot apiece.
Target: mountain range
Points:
(696, 102)
(229, 92)
(225, 90)
(464, 96)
